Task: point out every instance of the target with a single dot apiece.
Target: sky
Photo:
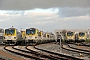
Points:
(46, 15)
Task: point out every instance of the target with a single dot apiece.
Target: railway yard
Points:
(44, 30)
(34, 44)
(48, 51)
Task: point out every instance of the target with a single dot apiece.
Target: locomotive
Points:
(33, 35)
(70, 36)
(11, 36)
(82, 36)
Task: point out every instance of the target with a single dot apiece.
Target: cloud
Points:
(47, 20)
(41, 12)
(76, 18)
(43, 22)
(44, 4)
(4, 19)
(70, 12)
(4, 15)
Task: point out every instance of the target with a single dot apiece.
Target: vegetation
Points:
(88, 40)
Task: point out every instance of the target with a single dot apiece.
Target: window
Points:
(57, 32)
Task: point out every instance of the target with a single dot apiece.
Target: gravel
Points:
(56, 48)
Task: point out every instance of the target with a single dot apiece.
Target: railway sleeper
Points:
(62, 55)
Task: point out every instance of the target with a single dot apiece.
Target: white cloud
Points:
(50, 20)
(3, 14)
(77, 18)
(41, 12)
(15, 15)
(45, 22)
(5, 19)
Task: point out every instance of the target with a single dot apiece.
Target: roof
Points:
(11, 28)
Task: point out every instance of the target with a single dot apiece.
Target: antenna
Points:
(20, 28)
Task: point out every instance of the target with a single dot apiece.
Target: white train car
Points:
(34, 35)
(1, 35)
(70, 36)
(31, 35)
(52, 37)
(82, 36)
(11, 36)
(48, 37)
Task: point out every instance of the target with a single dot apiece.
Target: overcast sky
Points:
(46, 15)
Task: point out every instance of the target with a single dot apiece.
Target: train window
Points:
(51, 36)
(39, 33)
(57, 32)
(69, 33)
(27, 31)
(81, 34)
(7, 31)
(12, 31)
(1, 31)
(60, 32)
(33, 31)
(44, 35)
(47, 36)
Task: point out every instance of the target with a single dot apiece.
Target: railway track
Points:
(78, 52)
(68, 47)
(57, 54)
(84, 50)
(85, 44)
(21, 53)
(47, 55)
(40, 54)
(32, 54)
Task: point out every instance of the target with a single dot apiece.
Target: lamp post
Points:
(60, 42)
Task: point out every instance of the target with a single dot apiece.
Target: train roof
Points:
(70, 31)
(31, 28)
(1, 29)
(22, 31)
(11, 28)
(81, 32)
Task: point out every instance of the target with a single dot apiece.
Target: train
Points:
(11, 36)
(23, 35)
(34, 35)
(1, 35)
(27, 37)
(82, 36)
(70, 36)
